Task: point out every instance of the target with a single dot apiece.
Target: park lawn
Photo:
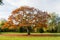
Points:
(28, 38)
(3, 37)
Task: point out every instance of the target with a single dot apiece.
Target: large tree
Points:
(28, 17)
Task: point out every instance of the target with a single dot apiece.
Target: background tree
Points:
(1, 2)
(53, 22)
(2, 21)
(58, 24)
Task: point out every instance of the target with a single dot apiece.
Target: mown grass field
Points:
(4, 37)
(28, 38)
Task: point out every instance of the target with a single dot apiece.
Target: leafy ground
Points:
(18, 36)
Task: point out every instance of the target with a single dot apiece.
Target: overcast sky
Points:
(44, 5)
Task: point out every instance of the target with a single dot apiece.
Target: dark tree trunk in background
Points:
(0, 30)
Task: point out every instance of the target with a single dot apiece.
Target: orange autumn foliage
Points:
(27, 16)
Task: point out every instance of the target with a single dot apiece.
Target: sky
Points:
(43, 5)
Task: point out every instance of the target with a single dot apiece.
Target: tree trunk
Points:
(28, 31)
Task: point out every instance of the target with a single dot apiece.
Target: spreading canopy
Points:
(28, 16)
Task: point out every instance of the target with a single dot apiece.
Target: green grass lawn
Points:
(2, 37)
(28, 38)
